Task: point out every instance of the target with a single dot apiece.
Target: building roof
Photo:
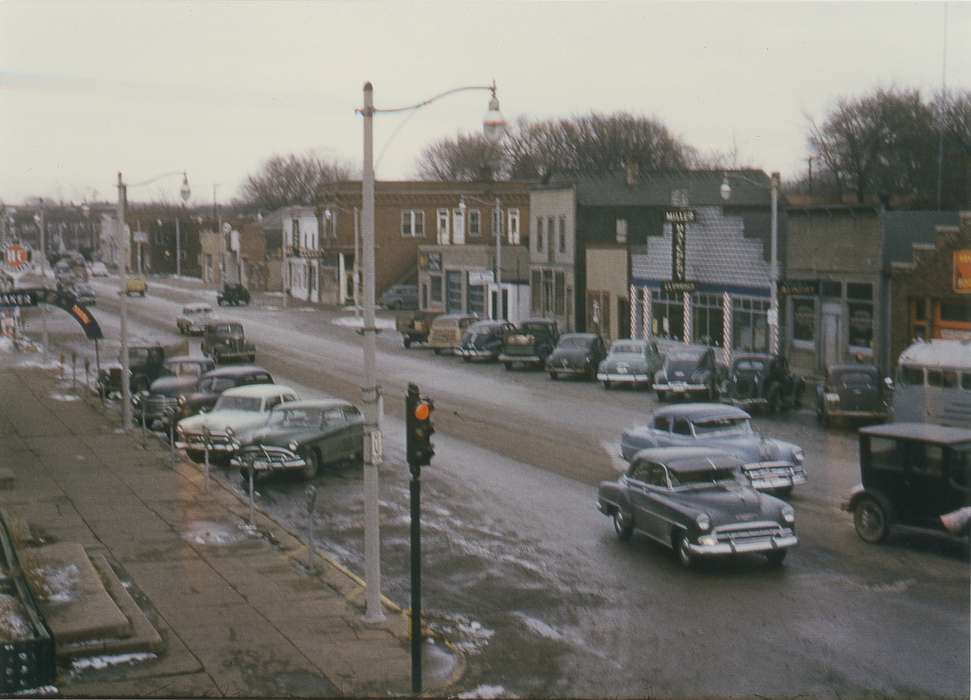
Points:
(903, 229)
(703, 188)
(924, 432)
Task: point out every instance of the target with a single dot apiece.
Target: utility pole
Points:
(284, 265)
(499, 309)
(42, 223)
(123, 292)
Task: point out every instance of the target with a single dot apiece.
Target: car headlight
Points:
(703, 521)
(181, 400)
(179, 430)
(708, 540)
(788, 514)
(292, 445)
(797, 455)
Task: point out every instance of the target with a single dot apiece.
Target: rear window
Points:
(627, 348)
(575, 341)
(910, 376)
(750, 365)
(855, 379)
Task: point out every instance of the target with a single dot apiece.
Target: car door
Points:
(354, 430)
(639, 497)
(335, 442)
(655, 498)
(926, 481)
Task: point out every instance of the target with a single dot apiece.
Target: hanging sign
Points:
(15, 257)
(798, 288)
(962, 271)
(679, 220)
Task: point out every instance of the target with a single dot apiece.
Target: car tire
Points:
(662, 396)
(507, 365)
(776, 556)
(681, 551)
(773, 399)
(312, 468)
(871, 520)
(606, 385)
(624, 531)
(406, 341)
(554, 376)
(252, 359)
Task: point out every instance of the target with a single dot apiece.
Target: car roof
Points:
(547, 321)
(454, 317)
(585, 336)
(488, 322)
(258, 390)
(680, 459)
(187, 358)
(751, 356)
(702, 410)
(315, 403)
(222, 322)
(922, 432)
(235, 371)
(629, 341)
(838, 369)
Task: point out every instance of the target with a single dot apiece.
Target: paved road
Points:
(528, 577)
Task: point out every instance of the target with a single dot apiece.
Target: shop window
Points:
(547, 292)
(668, 313)
(804, 319)
(436, 287)
(750, 326)
(860, 325)
(559, 298)
(453, 291)
(477, 299)
(863, 292)
(535, 291)
(829, 288)
(956, 312)
(918, 318)
(707, 319)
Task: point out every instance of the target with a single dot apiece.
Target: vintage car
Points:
(763, 381)
(400, 296)
(234, 294)
(576, 354)
(99, 269)
(913, 474)
(224, 340)
(696, 501)
(83, 293)
(768, 463)
(180, 375)
(194, 318)
(135, 284)
(212, 384)
(689, 371)
(414, 328)
(301, 436)
(854, 391)
(482, 340)
(633, 362)
(447, 331)
(238, 410)
(145, 364)
(530, 343)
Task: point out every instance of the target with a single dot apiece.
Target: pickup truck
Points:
(224, 340)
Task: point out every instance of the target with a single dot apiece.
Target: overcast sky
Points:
(91, 88)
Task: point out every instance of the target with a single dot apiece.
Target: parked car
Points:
(224, 340)
(145, 364)
(631, 361)
(238, 410)
(696, 501)
(763, 381)
(913, 474)
(99, 269)
(854, 391)
(135, 284)
(577, 354)
(689, 371)
(447, 331)
(234, 294)
(768, 463)
(213, 383)
(302, 436)
(83, 293)
(414, 328)
(194, 318)
(530, 343)
(483, 340)
(179, 375)
(400, 296)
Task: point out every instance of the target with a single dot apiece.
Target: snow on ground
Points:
(207, 532)
(485, 691)
(13, 623)
(358, 322)
(58, 584)
(6, 345)
(100, 662)
(43, 691)
(64, 397)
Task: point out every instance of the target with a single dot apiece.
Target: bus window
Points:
(910, 376)
(966, 381)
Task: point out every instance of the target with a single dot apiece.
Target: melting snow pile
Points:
(13, 623)
(56, 584)
(205, 532)
(64, 397)
(6, 345)
(100, 662)
(467, 635)
(485, 691)
(356, 322)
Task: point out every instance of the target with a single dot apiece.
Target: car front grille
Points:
(769, 470)
(156, 405)
(266, 453)
(199, 440)
(750, 532)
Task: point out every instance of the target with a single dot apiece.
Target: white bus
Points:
(934, 383)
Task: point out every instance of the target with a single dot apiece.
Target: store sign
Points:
(430, 261)
(67, 302)
(482, 277)
(15, 257)
(19, 298)
(798, 288)
(962, 271)
(679, 220)
(678, 287)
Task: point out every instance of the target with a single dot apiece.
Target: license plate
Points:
(832, 397)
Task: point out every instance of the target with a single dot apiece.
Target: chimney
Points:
(633, 171)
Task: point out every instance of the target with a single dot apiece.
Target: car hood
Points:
(218, 421)
(573, 356)
(278, 436)
(724, 504)
(173, 386)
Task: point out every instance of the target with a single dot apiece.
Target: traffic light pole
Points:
(416, 640)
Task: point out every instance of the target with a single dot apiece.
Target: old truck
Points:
(415, 327)
(224, 341)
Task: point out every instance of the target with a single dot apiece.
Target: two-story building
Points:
(303, 237)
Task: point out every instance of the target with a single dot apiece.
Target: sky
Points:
(91, 88)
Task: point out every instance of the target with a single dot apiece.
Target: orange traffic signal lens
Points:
(422, 411)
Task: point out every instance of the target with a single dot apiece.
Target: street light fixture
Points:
(494, 125)
(726, 192)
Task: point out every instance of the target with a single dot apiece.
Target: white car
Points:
(194, 318)
(98, 269)
(238, 409)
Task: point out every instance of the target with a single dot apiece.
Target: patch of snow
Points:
(6, 345)
(42, 691)
(38, 364)
(100, 662)
(63, 397)
(205, 532)
(540, 627)
(469, 636)
(13, 623)
(58, 584)
(358, 322)
(484, 691)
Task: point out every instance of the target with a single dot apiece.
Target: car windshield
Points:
(297, 417)
(238, 403)
(138, 355)
(184, 369)
(749, 366)
(626, 349)
(855, 380)
(575, 341)
(232, 330)
(722, 426)
(705, 477)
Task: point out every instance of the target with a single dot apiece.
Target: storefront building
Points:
(553, 254)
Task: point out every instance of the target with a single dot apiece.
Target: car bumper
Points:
(220, 448)
(837, 412)
(768, 544)
(745, 403)
(622, 378)
(263, 466)
(474, 354)
(560, 369)
(681, 388)
(774, 475)
(236, 354)
(503, 357)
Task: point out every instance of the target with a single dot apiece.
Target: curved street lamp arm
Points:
(491, 88)
(156, 178)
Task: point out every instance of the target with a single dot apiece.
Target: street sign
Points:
(482, 277)
(26, 297)
(16, 257)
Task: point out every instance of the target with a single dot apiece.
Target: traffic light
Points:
(419, 428)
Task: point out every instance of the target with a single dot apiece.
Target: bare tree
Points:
(284, 180)
(467, 157)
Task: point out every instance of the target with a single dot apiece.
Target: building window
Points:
(535, 291)
(424, 296)
(413, 223)
(475, 222)
(860, 326)
(803, 320)
(622, 230)
(436, 284)
(443, 236)
(707, 319)
(667, 310)
(330, 223)
(750, 325)
(547, 291)
(513, 226)
(559, 299)
(477, 299)
(550, 235)
(295, 235)
(539, 234)
(563, 234)
(453, 291)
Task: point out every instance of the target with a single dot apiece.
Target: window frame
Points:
(412, 223)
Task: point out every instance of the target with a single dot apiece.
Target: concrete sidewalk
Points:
(238, 612)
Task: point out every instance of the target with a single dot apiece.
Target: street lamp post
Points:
(185, 193)
(726, 193)
(42, 225)
(494, 126)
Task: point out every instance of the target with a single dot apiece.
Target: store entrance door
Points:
(830, 341)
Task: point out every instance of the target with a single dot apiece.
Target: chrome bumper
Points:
(262, 465)
(680, 387)
(621, 378)
(567, 370)
(519, 358)
(767, 545)
(474, 354)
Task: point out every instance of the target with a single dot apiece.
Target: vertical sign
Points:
(679, 220)
(962, 271)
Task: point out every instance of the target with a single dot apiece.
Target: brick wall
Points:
(833, 240)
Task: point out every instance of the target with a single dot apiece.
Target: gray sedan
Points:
(632, 362)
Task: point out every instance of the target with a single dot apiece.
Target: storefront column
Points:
(632, 295)
(688, 326)
(647, 315)
(727, 324)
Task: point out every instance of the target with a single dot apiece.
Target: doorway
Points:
(830, 341)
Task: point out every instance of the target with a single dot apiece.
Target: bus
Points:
(934, 383)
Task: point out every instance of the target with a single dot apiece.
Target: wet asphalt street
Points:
(528, 578)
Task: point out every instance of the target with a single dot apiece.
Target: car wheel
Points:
(776, 556)
(871, 520)
(219, 302)
(406, 342)
(685, 557)
(606, 385)
(773, 399)
(438, 351)
(661, 396)
(507, 365)
(554, 376)
(624, 531)
(312, 467)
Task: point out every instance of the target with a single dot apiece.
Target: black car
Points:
(225, 340)
(696, 501)
(914, 474)
(530, 343)
(689, 371)
(145, 363)
(212, 384)
(180, 375)
(760, 380)
(302, 436)
(576, 354)
(483, 340)
(234, 294)
(854, 391)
